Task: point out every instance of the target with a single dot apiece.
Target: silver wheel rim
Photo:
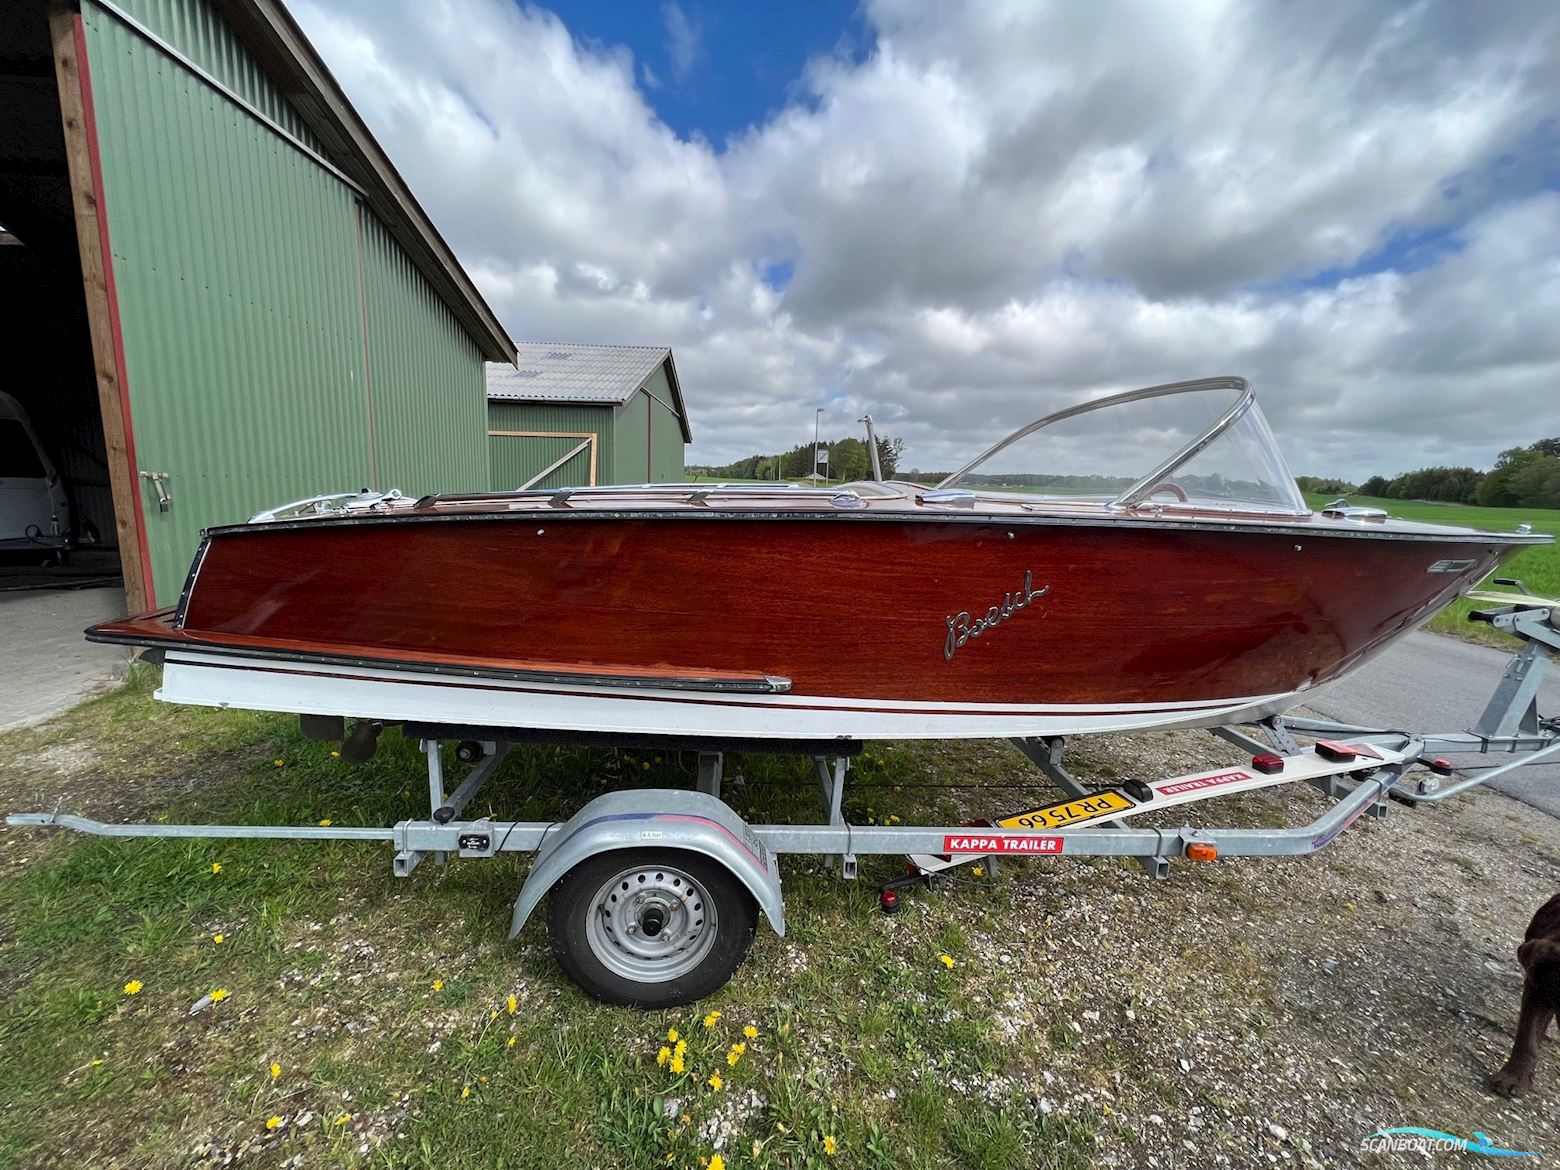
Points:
(651, 924)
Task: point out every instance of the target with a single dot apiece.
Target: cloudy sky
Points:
(959, 216)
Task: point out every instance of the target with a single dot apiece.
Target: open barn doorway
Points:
(60, 564)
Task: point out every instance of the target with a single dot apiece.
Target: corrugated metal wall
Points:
(514, 460)
(666, 438)
(631, 422)
(236, 260)
(199, 32)
(426, 375)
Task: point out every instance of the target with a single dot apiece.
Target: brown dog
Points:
(1539, 955)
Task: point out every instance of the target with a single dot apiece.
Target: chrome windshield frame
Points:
(1140, 490)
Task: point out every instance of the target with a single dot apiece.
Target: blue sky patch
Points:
(715, 70)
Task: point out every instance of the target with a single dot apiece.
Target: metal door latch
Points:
(160, 482)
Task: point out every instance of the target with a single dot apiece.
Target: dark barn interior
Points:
(42, 305)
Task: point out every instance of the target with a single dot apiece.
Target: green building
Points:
(234, 298)
(567, 415)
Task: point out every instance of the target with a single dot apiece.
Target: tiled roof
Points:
(571, 372)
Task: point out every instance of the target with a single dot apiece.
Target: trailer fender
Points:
(656, 819)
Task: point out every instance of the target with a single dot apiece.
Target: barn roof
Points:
(584, 375)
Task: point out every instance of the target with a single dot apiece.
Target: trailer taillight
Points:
(1340, 753)
(1268, 764)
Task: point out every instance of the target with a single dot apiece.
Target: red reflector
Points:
(890, 902)
(1268, 764)
(1440, 766)
(1332, 750)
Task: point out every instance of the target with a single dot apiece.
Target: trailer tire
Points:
(650, 928)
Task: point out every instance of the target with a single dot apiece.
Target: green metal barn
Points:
(568, 415)
(240, 299)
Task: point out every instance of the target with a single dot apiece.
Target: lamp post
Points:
(817, 420)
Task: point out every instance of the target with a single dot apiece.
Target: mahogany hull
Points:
(1140, 624)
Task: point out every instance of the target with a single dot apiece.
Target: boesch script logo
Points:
(962, 627)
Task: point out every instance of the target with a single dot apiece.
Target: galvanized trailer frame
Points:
(680, 833)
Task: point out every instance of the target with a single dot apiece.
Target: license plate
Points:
(1070, 812)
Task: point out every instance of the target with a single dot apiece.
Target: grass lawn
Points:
(371, 1021)
(1538, 567)
(1059, 1015)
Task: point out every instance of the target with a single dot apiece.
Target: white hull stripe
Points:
(413, 696)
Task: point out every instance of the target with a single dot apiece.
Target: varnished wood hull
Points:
(801, 625)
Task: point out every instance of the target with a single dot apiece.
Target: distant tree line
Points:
(1523, 477)
(849, 458)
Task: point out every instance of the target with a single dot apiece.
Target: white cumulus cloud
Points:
(1003, 207)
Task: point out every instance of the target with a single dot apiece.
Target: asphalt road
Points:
(1428, 682)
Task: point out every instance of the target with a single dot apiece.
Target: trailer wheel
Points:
(650, 928)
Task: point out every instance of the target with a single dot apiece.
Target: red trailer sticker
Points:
(1201, 782)
(992, 843)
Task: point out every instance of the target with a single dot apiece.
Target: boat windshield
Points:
(1197, 445)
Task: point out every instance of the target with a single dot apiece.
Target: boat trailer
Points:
(653, 894)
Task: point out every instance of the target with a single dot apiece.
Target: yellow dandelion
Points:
(219, 995)
(681, 1049)
(733, 1056)
(465, 1091)
(677, 1064)
(325, 824)
(711, 1019)
(663, 1056)
(133, 987)
(216, 867)
(646, 765)
(335, 755)
(510, 1043)
(492, 1015)
(830, 1146)
(345, 1117)
(750, 1032)
(276, 1070)
(217, 938)
(438, 985)
(512, 1004)
(717, 1162)
(946, 961)
(279, 763)
(715, 1082)
(671, 1036)
(272, 1122)
(979, 871)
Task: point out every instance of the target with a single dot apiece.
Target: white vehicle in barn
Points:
(34, 509)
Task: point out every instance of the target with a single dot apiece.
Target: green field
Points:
(1538, 567)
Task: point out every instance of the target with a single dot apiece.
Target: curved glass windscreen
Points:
(1196, 445)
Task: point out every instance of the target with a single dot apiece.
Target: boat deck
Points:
(888, 499)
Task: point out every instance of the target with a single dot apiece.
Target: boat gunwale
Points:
(1295, 527)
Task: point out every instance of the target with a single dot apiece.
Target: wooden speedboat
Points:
(1196, 590)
